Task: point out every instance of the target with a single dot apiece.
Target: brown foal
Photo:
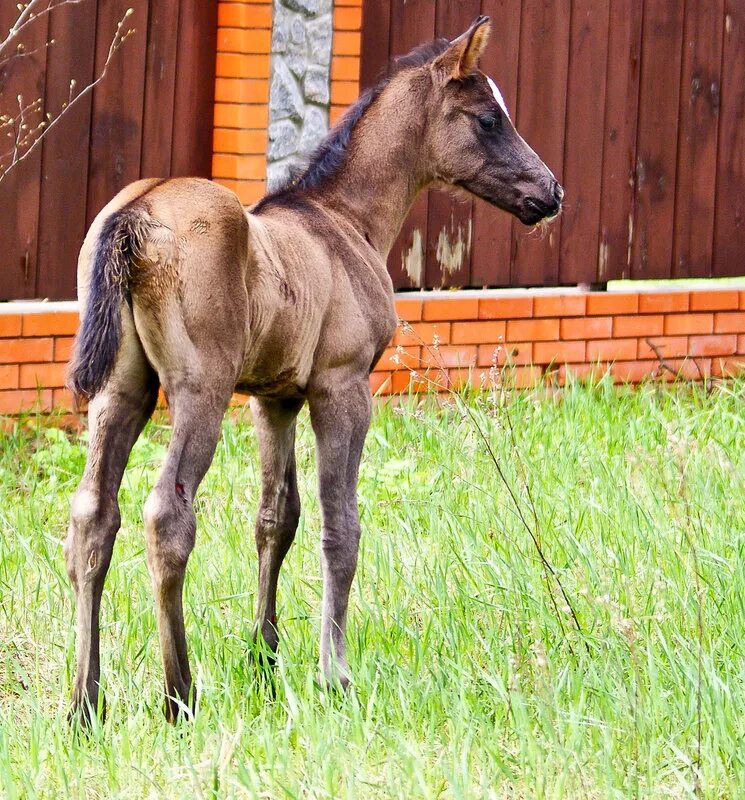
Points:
(181, 287)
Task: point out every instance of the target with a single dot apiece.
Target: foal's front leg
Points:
(340, 418)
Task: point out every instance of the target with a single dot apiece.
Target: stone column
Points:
(299, 92)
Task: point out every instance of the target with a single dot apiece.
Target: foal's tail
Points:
(121, 240)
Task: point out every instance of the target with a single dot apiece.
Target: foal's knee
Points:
(170, 527)
(94, 521)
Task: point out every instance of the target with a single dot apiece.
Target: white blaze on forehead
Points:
(498, 96)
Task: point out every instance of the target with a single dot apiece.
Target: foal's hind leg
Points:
(340, 416)
(117, 416)
(279, 509)
(170, 526)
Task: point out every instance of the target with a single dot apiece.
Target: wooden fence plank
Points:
(24, 75)
(541, 111)
(412, 23)
(697, 140)
(617, 202)
(64, 184)
(191, 152)
(375, 45)
(729, 236)
(491, 252)
(160, 88)
(116, 130)
(583, 151)
(657, 138)
(449, 223)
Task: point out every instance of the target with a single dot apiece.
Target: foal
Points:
(291, 302)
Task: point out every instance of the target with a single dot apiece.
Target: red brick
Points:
(581, 372)
(409, 358)
(407, 382)
(380, 382)
(9, 376)
(477, 332)
(533, 330)
(715, 345)
(612, 350)
(727, 367)
(612, 303)
(20, 351)
(346, 43)
(409, 310)
(51, 323)
(587, 328)
(451, 309)
(62, 399)
(663, 302)
(347, 19)
(669, 347)
(17, 400)
(558, 352)
(422, 333)
(10, 324)
(452, 356)
(633, 371)
(562, 305)
(715, 301)
(512, 353)
(677, 324)
(506, 307)
(638, 325)
(741, 343)
(522, 377)
(63, 348)
(742, 301)
(47, 376)
(729, 323)
(687, 369)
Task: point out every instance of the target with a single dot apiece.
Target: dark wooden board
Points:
(617, 202)
(729, 234)
(449, 223)
(116, 129)
(412, 23)
(491, 252)
(657, 138)
(541, 111)
(19, 192)
(375, 45)
(160, 88)
(64, 178)
(583, 151)
(193, 111)
(697, 139)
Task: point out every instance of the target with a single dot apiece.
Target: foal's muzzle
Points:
(537, 208)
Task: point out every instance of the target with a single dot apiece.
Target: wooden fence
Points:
(150, 116)
(639, 108)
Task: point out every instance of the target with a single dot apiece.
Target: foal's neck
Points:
(385, 170)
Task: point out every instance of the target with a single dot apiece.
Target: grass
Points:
(472, 678)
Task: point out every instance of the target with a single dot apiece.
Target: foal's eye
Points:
(488, 123)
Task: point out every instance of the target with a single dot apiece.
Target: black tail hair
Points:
(98, 338)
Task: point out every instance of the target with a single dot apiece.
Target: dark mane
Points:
(330, 155)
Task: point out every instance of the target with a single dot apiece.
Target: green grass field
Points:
(614, 669)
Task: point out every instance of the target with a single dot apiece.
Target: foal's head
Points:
(471, 140)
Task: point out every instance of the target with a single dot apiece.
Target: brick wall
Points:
(345, 57)
(242, 87)
(456, 337)
(242, 97)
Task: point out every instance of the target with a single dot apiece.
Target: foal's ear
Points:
(461, 58)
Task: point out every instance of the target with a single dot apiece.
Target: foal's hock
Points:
(180, 287)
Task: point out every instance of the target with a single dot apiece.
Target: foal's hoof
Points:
(180, 704)
(337, 682)
(84, 710)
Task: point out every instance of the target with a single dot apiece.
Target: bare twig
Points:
(27, 137)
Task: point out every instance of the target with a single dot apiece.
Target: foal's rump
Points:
(170, 254)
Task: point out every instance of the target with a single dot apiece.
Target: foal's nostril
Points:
(558, 191)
